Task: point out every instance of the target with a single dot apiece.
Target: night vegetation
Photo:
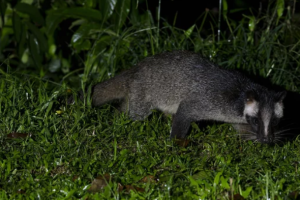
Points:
(51, 150)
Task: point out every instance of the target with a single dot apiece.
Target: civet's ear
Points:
(279, 96)
(278, 109)
(251, 97)
(251, 104)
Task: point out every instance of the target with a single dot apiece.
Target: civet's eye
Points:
(255, 121)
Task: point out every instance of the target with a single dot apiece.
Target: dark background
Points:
(189, 11)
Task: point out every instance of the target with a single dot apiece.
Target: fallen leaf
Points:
(75, 178)
(148, 178)
(130, 187)
(14, 135)
(120, 187)
(99, 183)
(294, 195)
(20, 191)
(237, 197)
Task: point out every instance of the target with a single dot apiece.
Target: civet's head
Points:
(263, 111)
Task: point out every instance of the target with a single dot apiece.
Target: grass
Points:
(66, 150)
(51, 150)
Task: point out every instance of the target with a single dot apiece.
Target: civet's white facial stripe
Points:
(278, 109)
(251, 109)
(266, 117)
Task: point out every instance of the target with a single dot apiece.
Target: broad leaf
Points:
(56, 16)
(32, 11)
(80, 39)
(107, 7)
(280, 7)
(35, 51)
(3, 6)
(84, 31)
(17, 26)
(20, 33)
(39, 36)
